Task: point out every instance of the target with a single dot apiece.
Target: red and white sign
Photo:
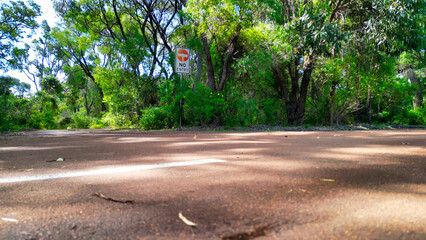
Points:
(182, 60)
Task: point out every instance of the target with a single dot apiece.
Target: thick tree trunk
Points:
(306, 78)
(295, 100)
(227, 60)
(101, 94)
(209, 63)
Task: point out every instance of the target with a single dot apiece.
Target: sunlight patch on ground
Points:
(286, 165)
(375, 211)
(394, 150)
(141, 139)
(214, 142)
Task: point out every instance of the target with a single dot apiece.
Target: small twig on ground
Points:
(100, 195)
(258, 232)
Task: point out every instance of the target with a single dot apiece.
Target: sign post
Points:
(181, 66)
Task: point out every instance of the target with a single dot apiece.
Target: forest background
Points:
(110, 63)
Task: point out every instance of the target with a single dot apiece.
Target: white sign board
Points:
(182, 60)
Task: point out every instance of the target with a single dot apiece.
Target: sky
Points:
(48, 14)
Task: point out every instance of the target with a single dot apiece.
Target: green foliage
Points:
(80, 120)
(45, 111)
(15, 110)
(271, 61)
(239, 110)
(157, 118)
(15, 18)
(15, 113)
(411, 117)
(230, 108)
(203, 106)
(51, 85)
(114, 120)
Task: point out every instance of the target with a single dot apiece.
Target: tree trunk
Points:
(332, 104)
(209, 64)
(415, 81)
(295, 100)
(227, 60)
(369, 105)
(199, 68)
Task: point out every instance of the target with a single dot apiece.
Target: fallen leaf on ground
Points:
(10, 220)
(186, 221)
(29, 170)
(100, 195)
(327, 180)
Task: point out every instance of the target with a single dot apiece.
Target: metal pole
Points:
(180, 102)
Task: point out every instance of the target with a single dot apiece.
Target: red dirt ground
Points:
(273, 185)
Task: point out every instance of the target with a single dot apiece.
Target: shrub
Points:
(64, 122)
(81, 120)
(231, 108)
(411, 117)
(157, 118)
(115, 120)
(202, 106)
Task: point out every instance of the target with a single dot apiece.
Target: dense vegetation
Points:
(110, 63)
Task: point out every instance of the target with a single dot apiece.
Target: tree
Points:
(14, 108)
(16, 18)
(219, 25)
(80, 50)
(413, 66)
(131, 37)
(46, 60)
(309, 30)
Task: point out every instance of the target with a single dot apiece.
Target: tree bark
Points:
(415, 81)
(200, 63)
(369, 105)
(228, 58)
(209, 64)
(295, 100)
(332, 103)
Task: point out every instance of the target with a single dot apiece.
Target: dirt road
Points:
(263, 185)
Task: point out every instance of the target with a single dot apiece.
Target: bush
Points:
(202, 106)
(273, 111)
(157, 118)
(240, 110)
(230, 108)
(81, 120)
(64, 122)
(115, 120)
(411, 117)
(383, 117)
